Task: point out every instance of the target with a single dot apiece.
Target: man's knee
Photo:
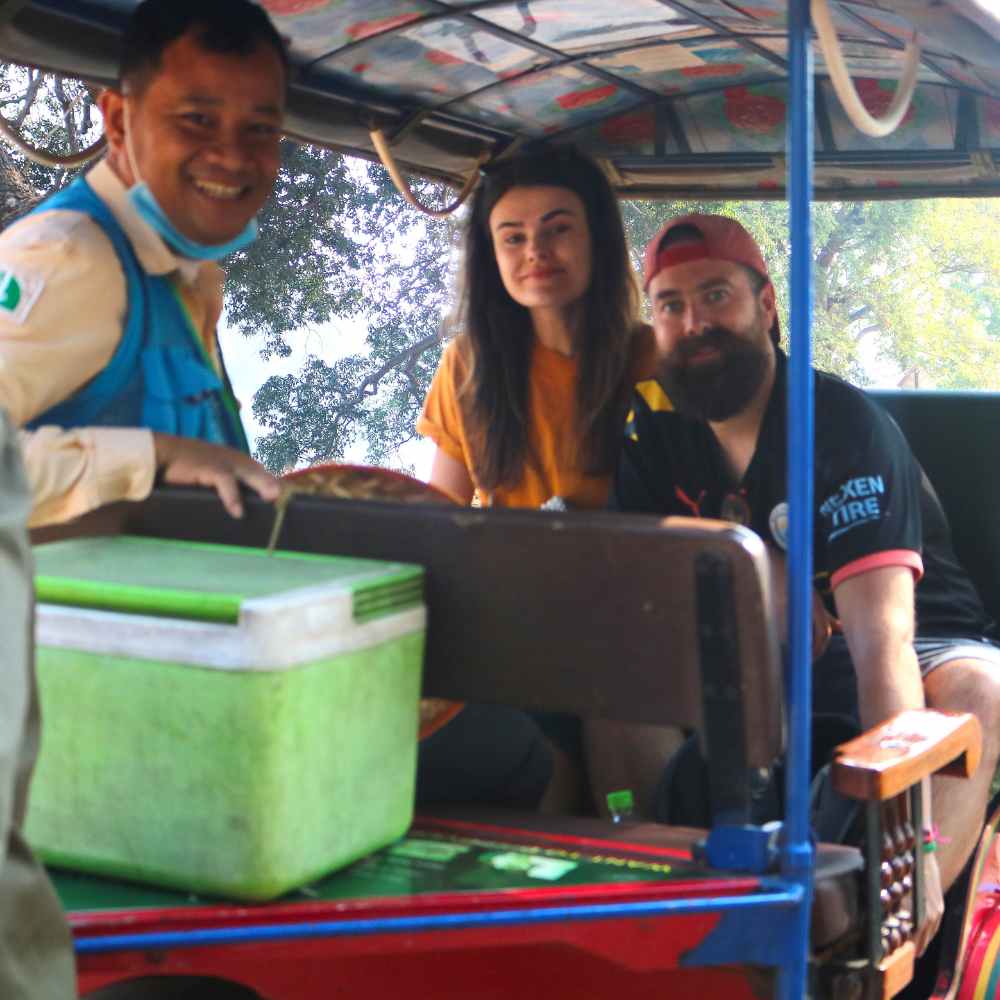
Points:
(969, 686)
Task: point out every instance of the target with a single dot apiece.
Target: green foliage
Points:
(313, 254)
(916, 280)
(911, 283)
(55, 114)
(338, 242)
(940, 294)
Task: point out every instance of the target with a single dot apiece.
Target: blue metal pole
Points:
(797, 851)
(764, 902)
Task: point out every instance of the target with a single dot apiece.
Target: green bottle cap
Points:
(620, 802)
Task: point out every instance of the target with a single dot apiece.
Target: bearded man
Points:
(707, 438)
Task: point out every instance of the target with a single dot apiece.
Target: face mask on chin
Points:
(142, 199)
(148, 208)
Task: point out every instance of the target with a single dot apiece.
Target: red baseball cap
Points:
(722, 238)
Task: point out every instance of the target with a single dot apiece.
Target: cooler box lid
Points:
(218, 605)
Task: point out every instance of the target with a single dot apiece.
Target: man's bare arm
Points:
(71, 472)
(876, 612)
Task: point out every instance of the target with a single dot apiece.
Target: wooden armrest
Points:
(896, 971)
(895, 755)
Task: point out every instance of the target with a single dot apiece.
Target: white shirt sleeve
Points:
(63, 302)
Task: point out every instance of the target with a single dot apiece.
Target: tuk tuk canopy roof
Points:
(681, 98)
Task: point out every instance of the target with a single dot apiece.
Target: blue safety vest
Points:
(160, 377)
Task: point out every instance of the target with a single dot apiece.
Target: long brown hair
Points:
(499, 334)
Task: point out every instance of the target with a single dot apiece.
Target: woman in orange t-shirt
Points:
(529, 401)
(529, 404)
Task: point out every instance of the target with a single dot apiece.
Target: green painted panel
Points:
(206, 582)
(419, 863)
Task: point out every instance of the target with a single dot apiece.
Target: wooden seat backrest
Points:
(600, 614)
(622, 617)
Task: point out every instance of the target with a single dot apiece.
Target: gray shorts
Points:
(835, 686)
(933, 652)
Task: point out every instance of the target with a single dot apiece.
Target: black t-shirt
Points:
(872, 498)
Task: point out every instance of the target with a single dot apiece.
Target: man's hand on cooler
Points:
(190, 462)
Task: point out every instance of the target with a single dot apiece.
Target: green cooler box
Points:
(220, 720)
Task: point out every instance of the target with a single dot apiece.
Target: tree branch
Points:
(407, 356)
(962, 269)
(86, 119)
(839, 237)
(871, 328)
(34, 83)
(69, 119)
(411, 379)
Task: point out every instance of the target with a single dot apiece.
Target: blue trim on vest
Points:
(158, 378)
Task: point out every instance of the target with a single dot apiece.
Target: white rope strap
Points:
(840, 77)
(47, 159)
(385, 154)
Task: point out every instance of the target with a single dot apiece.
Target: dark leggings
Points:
(487, 755)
